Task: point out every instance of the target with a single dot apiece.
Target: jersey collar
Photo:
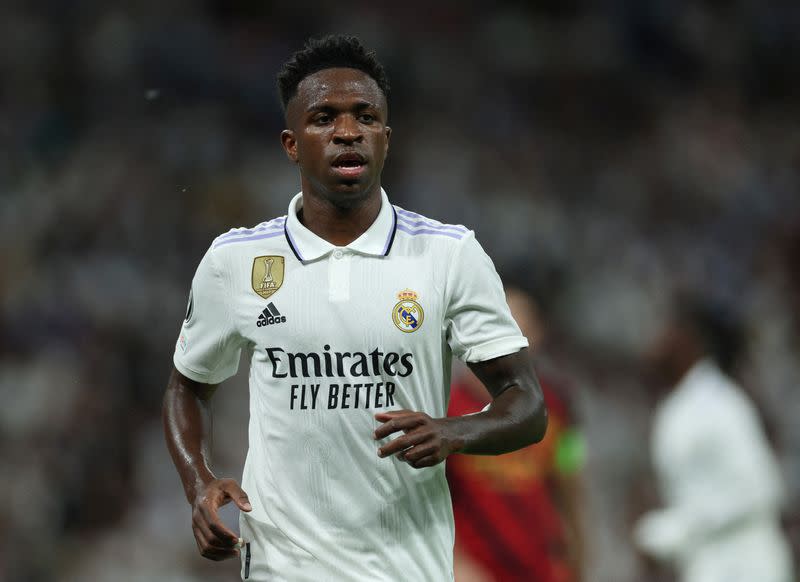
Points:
(376, 240)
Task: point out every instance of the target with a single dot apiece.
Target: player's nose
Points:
(347, 130)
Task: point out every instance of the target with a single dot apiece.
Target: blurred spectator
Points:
(720, 481)
(519, 516)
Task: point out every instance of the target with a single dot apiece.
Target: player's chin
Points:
(348, 193)
(354, 185)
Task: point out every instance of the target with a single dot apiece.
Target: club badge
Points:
(407, 314)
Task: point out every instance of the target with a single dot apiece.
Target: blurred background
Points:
(605, 154)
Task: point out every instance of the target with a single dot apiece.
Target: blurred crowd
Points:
(606, 154)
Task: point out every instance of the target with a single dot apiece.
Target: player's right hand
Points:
(214, 540)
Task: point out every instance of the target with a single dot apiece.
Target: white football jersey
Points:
(337, 334)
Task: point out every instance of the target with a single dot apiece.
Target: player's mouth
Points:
(349, 164)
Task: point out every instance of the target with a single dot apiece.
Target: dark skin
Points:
(340, 115)
(337, 112)
(515, 419)
(187, 425)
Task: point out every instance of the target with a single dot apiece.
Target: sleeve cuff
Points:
(197, 376)
(662, 534)
(495, 348)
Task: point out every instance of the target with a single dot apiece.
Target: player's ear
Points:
(289, 144)
(388, 131)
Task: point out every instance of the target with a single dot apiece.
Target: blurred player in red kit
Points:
(518, 516)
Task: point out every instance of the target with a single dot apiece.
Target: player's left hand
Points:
(425, 441)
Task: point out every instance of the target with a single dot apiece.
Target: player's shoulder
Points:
(241, 238)
(417, 227)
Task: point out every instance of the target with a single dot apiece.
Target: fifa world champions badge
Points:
(407, 314)
(267, 276)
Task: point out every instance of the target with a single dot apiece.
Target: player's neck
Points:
(684, 365)
(339, 226)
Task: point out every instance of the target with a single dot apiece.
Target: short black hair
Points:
(718, 327)
(328, 52)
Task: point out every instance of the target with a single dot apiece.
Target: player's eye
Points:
(322, 118)
(366, 118)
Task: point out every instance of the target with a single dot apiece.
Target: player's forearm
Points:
(186, 416)
(515, 419)
(517, 416)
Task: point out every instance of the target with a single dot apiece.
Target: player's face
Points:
(338, 135)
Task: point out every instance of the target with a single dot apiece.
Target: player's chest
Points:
(346, 301)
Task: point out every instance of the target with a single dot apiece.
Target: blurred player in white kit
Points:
(717, 474)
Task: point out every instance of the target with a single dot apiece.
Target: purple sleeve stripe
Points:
(418, 223)
(404, 212)
(455, 235)
(277, 223)
(415, 219)
(272, 234)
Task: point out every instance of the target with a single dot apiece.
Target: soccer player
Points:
(350, 309)
(720, 480)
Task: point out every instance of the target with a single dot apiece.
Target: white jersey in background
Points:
(337, 334)
(721, 483)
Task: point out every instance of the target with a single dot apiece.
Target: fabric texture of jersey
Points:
(334, 335)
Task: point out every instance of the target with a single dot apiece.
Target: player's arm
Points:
(515, 418)
(187, 426)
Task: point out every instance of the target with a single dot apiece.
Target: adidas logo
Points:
(270, 316)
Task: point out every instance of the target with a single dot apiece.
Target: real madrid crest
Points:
(407, 315)
(267, 274)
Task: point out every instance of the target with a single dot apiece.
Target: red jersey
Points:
(505, 516)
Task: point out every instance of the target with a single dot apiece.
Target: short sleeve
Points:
(208, 347)
(478, 322)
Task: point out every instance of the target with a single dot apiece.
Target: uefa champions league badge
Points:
(407, 314)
